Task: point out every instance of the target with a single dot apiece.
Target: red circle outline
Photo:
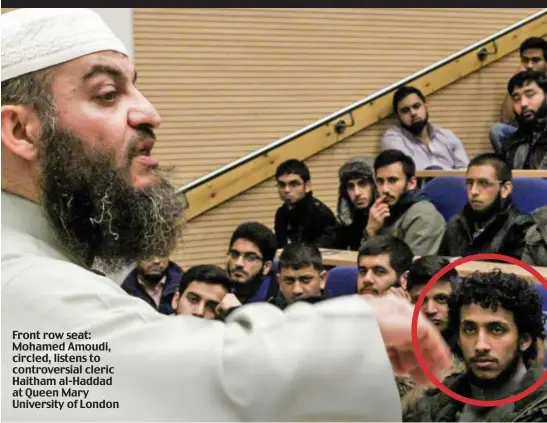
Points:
(418, 353)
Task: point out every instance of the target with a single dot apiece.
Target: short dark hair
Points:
(497, 289)
(423, 269)
(400, 254)
(258, 234)
(387, 157)
(207, 273)
(502, 168)
(299, 256)
(294, 166)
(402, 92)
(534, 42)
(522, 78)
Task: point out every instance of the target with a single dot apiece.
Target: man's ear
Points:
(20, 130)
(267, 267)
(412, 183)
(404, 279)
(525, 341)
(323, 279)
(506, 189)
(307, 186)
(175, 300)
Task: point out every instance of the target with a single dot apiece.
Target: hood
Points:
(355, 167)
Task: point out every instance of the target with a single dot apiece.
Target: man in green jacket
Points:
(398, 211)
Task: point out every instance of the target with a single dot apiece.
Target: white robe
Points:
(320, 362)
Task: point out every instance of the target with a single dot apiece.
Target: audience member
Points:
(489, 222)
(202, 289)
(155, 281)
(535, 250)
(527, 147)
(250, 257)
(383, 263)
(302, 217)
(301, 275)
(429, 145)
(398, 211)
(498, 319)
(533, 55)
(356, 193)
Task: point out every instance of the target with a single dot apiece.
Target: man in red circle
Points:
(497, 320)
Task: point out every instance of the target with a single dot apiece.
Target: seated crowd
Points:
(493, 321)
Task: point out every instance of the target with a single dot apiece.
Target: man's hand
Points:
(229, 302)
(394, 317)
(378, 212)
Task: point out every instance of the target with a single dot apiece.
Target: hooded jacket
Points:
(352, 220)
(503, 234)
(535, 250)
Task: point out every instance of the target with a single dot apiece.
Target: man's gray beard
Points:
(94, 209)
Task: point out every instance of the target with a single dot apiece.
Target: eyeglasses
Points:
(483, 183)
(248, 257)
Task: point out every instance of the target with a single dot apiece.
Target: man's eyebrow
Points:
(109, 70)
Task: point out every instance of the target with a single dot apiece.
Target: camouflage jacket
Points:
(435, 406)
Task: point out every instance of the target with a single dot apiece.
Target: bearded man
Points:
(79, 185)
(429, 145)
(489, 222)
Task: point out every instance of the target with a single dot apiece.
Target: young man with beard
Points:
(429, 145)
(356, 193)
(527, 147)
(398, 211)
(250, 257)
(498, 319)
(201, 291)
(155, 281)
(301, 275)
(302, 217)
(383, 263)
(79, 184)
(489, 222)
(533, 57)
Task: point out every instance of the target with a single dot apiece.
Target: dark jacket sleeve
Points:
(327, 225)
(280, 228)
(516, 238)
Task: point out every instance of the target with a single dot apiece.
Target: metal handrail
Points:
(206, 178)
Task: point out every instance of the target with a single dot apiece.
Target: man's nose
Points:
(199, 310)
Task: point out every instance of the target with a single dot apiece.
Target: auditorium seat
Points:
(449, 195)
(341, 280)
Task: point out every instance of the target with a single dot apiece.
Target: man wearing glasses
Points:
(250, 256)
(489, 223)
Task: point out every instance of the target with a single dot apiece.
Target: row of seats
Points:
(528, 194)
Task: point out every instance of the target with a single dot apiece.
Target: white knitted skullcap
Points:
(34, 39)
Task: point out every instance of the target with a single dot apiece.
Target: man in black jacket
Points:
(302, 218)
(489, 222)
(527, 147)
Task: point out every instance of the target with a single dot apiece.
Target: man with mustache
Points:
(80, 185)
(429, 145)
(249, 263)
(527, 147)
(489, 222)
(154, 280)
(398, 211)
(533, 57)
(497, 319)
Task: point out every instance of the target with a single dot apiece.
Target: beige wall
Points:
(230, 81)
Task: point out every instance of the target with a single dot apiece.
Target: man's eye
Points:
(108, 97)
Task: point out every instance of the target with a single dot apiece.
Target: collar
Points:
(145, 285)
(25, 216)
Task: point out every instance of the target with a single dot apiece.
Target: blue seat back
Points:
(341, 280)
(449, 195)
